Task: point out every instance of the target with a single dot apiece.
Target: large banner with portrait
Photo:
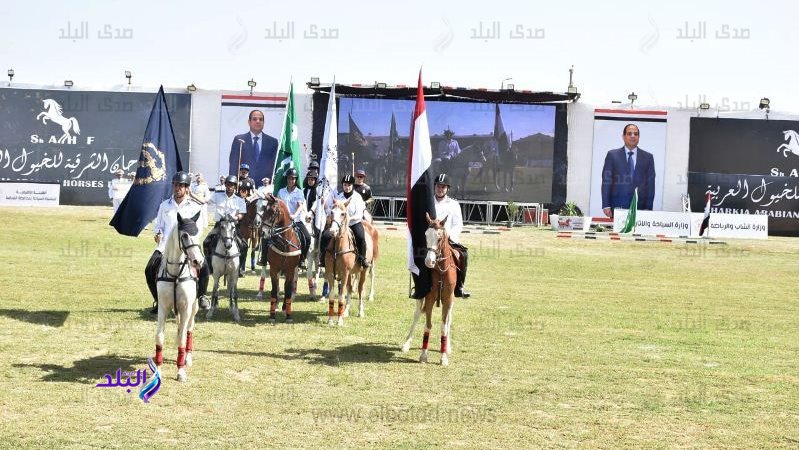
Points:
(613, 176)
(235, 140)
(492, 151)
(79, 139)
(749, 166)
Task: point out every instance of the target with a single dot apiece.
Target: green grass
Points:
(565, 343)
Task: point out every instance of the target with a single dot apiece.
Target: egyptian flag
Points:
(706, 220)
(158, 162)
(420, 201)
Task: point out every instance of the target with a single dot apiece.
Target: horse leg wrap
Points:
(340, 309)
(189, 341)
(330, 311)
(287, 302)
(261, 284)
(325, 289)
(159, 355)
(443, 344)
(181, 357)
(425, 340)
(272, 306)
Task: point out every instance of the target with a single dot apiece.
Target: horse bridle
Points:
(438, 252)
(276, 213)
(225, 240)
(184, 260)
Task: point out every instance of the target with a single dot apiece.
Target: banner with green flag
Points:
(629, 224)
(288, 149)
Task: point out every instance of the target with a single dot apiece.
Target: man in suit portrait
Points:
(625, 169)
(258, 149)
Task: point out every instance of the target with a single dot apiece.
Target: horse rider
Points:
(355, 210)
(295, 201)
(222, 204)
(165, 220)
(247, 193)
(366, 192)
(244, 174)
(266, 188)
(309, 190)
(448, 207)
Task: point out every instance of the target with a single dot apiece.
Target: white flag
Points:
(328, 168)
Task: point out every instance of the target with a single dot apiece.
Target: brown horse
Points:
(441, 259)
(340, 262)
(283, 253)
(249, 228)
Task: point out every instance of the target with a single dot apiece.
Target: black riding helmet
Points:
(231, 179)
(443, 178)
(292, 173)
(182, 178)
(347, 179)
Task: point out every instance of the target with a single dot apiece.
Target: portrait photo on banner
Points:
(235, 123)
(612, 185)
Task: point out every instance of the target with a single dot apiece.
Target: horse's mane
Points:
(54, 104)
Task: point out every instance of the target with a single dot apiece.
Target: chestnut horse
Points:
(441, 259)
(177, 290)
(283, 253)
(249, 228)
(340, 262)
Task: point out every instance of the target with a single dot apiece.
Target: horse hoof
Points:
(289, 320)
(259, 295)
(210, 314)
(423, 358)
(406, 347)
(182, 377)
(236, 317)
(271, 321)
(444, 360)
(330, 322)
(361, 314)
(188, 359)
(340, 322)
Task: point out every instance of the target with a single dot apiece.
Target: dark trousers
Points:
(360, 239)
(464, 261)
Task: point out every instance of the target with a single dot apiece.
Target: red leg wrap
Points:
(425, 340)
(159, 355)
(443, 344)
(181, 357)
(189, 341)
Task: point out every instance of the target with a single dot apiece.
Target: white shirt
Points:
(222, 205)
(355, 208)
(118, 188)
(450, 208)
(167, 218)
(294, 200)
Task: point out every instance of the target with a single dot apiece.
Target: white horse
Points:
(793, 143)
(225, 263)
(52, 111)
(313, 269)
(177, 290)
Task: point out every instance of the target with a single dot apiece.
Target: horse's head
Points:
(339, 217)
(433, 236)
(227, 232)
(276, 214)
(189, 240)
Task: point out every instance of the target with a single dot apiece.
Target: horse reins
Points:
(175, 279)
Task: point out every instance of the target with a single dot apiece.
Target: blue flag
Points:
(158, 162)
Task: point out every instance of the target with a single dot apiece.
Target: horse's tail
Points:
(75, 126)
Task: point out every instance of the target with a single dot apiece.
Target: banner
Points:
(29, 194)
(749, 167)
(609, 125)
(79, 138)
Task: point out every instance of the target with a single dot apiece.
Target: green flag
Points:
(629, 224)
(288, 150)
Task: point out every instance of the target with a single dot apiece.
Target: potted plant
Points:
(569, 217)
(513, 210)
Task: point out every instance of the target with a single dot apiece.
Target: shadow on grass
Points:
(348, 354)
(88, 369)
(49, 318)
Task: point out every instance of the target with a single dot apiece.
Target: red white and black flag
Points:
(706, 220)
(420, 199)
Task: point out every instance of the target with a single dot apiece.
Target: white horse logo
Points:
(793, 143)
(52, 111)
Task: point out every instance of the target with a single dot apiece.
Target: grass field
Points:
(564, 344)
